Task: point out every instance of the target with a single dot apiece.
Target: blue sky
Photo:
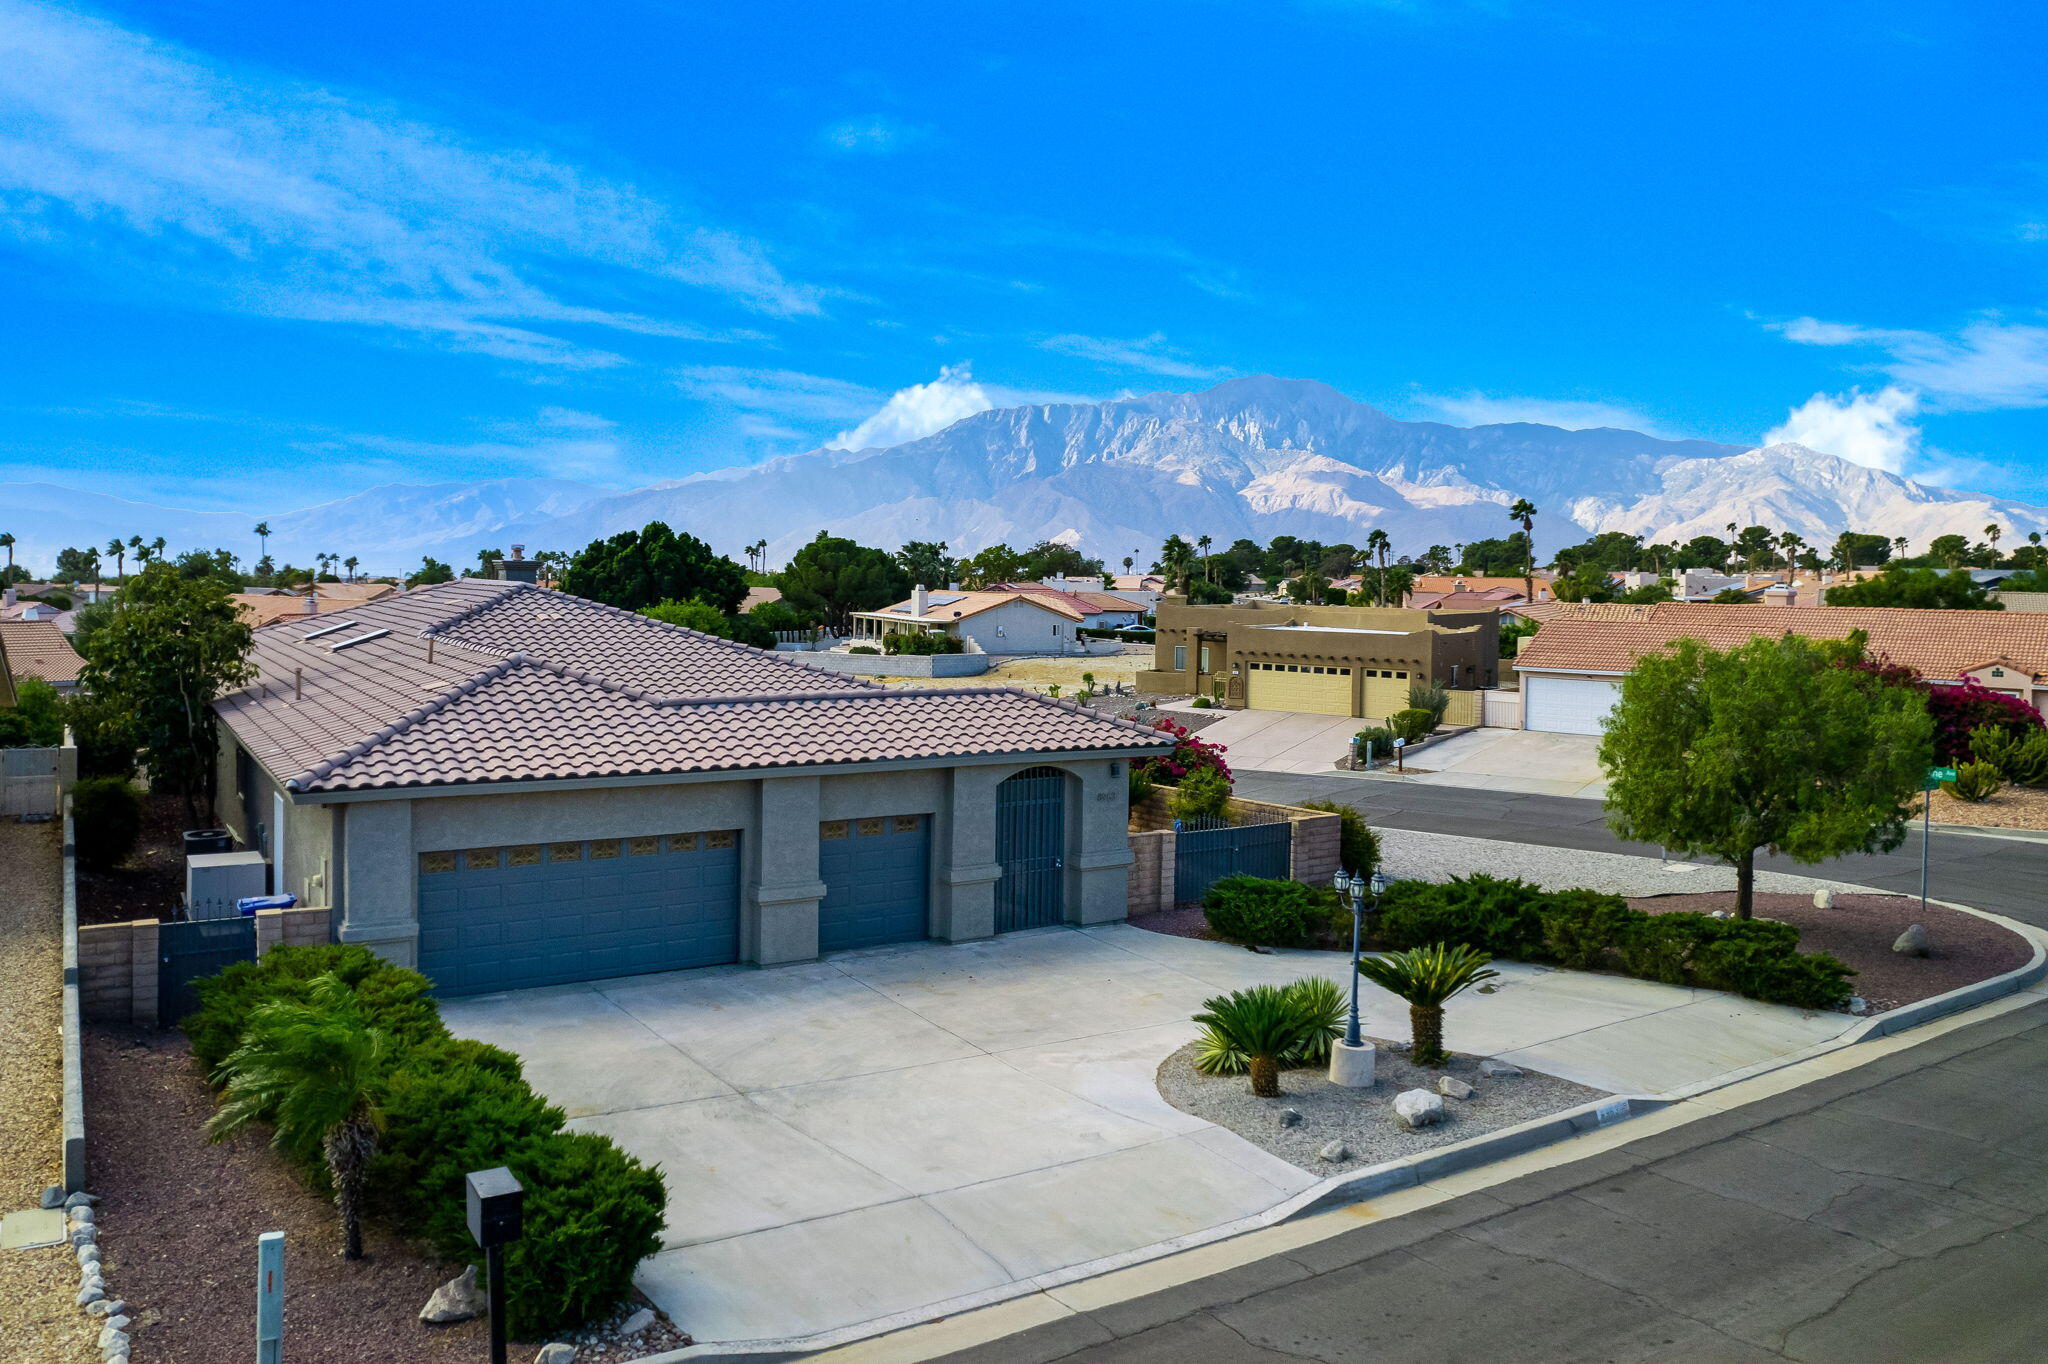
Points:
(257, 256)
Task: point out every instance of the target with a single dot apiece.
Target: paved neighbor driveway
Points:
(886, 1131)
(1497, 759)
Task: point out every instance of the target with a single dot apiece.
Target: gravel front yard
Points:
(1363, 1119)
(1406, 853)
(182, 1216)
(2015, 807)
(38, 1318)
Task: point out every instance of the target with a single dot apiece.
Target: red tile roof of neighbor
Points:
(489, 681)
(1941, 645)
(37, 648)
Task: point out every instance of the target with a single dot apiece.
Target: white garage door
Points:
(1568, 705)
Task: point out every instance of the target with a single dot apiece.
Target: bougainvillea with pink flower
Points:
(1957, 710)
(1189, 753)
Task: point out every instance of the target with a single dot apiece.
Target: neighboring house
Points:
(1127, 587)
(1571, 668)
(760, 596)
(1003, 618)
(1486, 599)
(355, 592)
(37, 648)
(1426, 583)
(507, 786)
(1324, 660)
(265, 605)
(7, 696)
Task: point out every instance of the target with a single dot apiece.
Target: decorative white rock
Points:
(1451, 1087)
(1498, 1070)
(1823, 899)
(1334, 1151)
(457, 1300)
(1417, 1108)
(556, 1352)
(1912, 942)
(1353, 1067)
(638, 1322)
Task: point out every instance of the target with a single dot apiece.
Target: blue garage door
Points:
(877, 875)
(550, 913)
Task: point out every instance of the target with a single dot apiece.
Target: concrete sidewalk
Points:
(908, 1131)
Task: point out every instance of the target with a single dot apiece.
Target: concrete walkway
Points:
(902, 1132)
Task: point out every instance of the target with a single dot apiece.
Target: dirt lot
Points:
(2015, 807)
(1038, 673)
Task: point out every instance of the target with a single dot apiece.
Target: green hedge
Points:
(1590, 931)
(452, 1106)
(1581, 929)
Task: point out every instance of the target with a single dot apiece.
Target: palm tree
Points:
(119, 551)
(350, 564)
(262, 539)
(1524, 511)
(309, 1071)
(7, 542)
(1263, 1024)
(1899, 546)
(1992, 533)
(1204, 541)
(1376, 545)
(1789, 544)
(1428, 977)
(1128, 560)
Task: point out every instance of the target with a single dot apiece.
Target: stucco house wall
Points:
(1018, 628)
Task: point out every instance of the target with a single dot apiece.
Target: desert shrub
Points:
(1261, 913)
(1202, 794)
(2027, 764)
(452, 1105)
(1995, 745)
(1380, 737)
(1358, 845)
(922, 644)
(1432, 698)
(36, 719)
(1325, 1008)
(1582, 927)
(864, 649)
(1140, 783)
(1202, 703)
(106, 814)
(1501, 917)
(1974, 782)
(1411, 724)
(105, 734)
(1659, 946)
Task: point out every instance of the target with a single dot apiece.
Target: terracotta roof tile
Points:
(484, 681)
(1940, 645)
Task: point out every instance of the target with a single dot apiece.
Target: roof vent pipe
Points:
(920, 600)
(298, 684)
(312, 603)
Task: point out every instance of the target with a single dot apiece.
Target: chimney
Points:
(7, 595)
(920, 600)
(312, 604)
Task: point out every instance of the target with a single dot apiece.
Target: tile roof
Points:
(950, 606)
(37, 648)
(1940, 645)
(491, 681)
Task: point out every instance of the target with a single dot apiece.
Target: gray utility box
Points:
(214, 881)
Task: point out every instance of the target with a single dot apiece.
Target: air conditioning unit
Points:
(215, 881)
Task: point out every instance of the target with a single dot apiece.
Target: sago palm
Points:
(1324, 1003)
(308, 1071)
(1428, 978)
(1263, 1024)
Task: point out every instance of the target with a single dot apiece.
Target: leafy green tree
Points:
(780, 615)
(1428, 978)
(1950, 551)
(76, 565)
(2032, 580)
(1435, 559)
(1586, 581)
(1051, 559)
(637, 568)
(431, 570)
(833, 577)
(1731, 596)
(36, 719)
(1927, 588)
(486, 561)
(310, 1072)
(210, 563)
(171, 646)
(1853, 550)
(996, 564)
(1613, 550)
(1502, 558)
(1773, 745)
(1646, 595)
(701, 616)
(1201, 592)
(928, 564)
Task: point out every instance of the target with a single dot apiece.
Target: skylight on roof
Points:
(328, 629)
(341, 644)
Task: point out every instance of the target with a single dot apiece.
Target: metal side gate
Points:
(191, 951)
(1202, 856)
(1031, 841)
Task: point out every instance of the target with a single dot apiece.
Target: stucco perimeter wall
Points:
(1314, 854)
(777, 819)
(117, 963)
(903, 665)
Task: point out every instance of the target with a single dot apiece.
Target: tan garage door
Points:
(1386, 691)
(1299, 687)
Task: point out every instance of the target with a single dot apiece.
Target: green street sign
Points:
(1937, 775)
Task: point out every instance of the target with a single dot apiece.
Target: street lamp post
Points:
(1352, 1060)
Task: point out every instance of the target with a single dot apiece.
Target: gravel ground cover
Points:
(2015, 807)
(38, 1318)
(1420, 856)
(181, 1217)
(151, 882)
(1363, 1119)
(1859, 930)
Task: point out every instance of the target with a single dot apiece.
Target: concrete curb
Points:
(72, 1027)
(1409, 1172)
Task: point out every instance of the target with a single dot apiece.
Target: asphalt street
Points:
(1897, 1212)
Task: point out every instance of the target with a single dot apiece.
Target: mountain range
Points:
(1255, 457)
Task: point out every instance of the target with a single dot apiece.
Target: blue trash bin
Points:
(249, 904)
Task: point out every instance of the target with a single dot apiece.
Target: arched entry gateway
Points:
(1031, 843)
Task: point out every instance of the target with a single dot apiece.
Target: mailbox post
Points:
(496, 1211)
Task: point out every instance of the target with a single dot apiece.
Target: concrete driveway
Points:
(1516, 760)
(894, 1134)
(1282, 741)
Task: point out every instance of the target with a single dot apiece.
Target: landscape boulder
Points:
(1498, 1070)
(1418, 1108)
(1290, 1117)
(1451, 1087)
(1912, 942)
(53, 1196)
(1823, 899)
(638, 1322)
(1334, 1151)
(457, 1300)
(556, 1352)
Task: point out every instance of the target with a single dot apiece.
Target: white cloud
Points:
(1872, 429)
(1483, 409)
(874, 135)
(244, 190)
(1149, 354)
(1987, 364)
(775, 404)
(921, 410)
